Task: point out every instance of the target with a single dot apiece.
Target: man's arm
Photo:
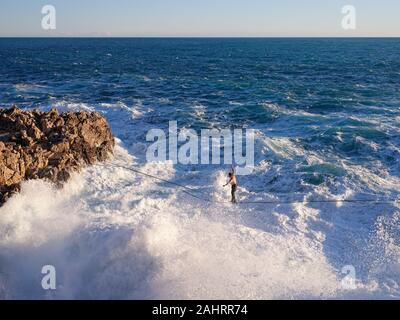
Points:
(228, 182)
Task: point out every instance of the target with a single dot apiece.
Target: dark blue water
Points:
(317, 75)
(325, 93)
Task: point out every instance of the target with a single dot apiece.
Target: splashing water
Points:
(326, 127)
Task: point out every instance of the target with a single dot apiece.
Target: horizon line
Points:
(197, 37)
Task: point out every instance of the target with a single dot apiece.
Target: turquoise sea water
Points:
(326, 114)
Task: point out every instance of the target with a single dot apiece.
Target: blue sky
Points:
(200, 18)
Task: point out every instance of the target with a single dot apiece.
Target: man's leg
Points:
(233, 194)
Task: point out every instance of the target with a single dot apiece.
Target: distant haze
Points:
(194, 18)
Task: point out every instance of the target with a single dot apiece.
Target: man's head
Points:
(230, 174)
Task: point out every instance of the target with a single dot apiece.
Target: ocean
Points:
(326, 115)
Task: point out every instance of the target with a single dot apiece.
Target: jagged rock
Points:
(49, 145)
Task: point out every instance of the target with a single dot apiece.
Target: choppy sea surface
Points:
(326, 113)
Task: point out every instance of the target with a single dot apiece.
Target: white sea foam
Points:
(111, 233)
(108, 241)
(199, 111)
(67, 106)
(26, 87)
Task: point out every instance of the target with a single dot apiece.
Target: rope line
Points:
(191, 192)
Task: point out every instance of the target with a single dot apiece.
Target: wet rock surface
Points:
(49, 145)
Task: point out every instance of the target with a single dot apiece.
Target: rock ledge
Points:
(49, 145)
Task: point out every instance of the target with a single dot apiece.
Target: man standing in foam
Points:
(233, 182)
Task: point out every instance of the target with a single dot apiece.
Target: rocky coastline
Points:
(49, 145)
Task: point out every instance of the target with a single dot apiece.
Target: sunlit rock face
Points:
(49, 145)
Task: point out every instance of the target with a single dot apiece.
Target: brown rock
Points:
(49, 145)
